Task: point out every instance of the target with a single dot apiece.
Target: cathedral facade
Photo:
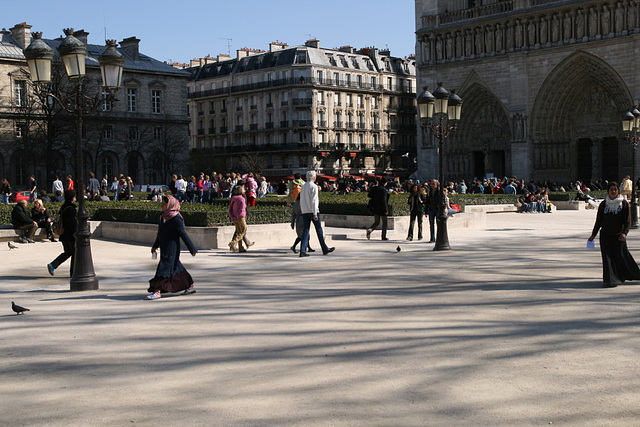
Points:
(544, 85)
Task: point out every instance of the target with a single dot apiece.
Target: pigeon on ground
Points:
(12, 246)
(17, 308)
(398, 249)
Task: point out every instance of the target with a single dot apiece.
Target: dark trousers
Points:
(376, 222)
(432, 223)
(307, 219)
(415, 216)
(69, 252)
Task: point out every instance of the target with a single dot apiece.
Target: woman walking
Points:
(5, 191)
(67, 238)
(613, 221)
(171, 275)
(238, 214)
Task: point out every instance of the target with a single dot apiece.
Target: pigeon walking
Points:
(398, 249)
(18, 309)
(12, 246)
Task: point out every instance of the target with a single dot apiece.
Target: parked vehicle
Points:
(20, 195)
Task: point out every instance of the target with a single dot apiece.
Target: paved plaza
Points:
(510, 328)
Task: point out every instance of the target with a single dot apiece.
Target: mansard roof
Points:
(10, 49)
(300, 55)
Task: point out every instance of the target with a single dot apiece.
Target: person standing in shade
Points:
(171, 276)
(67, 238)
(379, 206)
(613, 221)
(416, 207)
(433, 202)
(57, 186)
(5, 191)
(310, 208)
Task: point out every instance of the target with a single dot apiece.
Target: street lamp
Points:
(631, 129)
(73, 53)
(443, 105)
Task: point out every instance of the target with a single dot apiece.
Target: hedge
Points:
(270, 209)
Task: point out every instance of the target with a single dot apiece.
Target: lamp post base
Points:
(442, 236)
(84, 277)
(634, 213)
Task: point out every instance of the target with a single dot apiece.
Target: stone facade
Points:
(292, 109)
(142, 134)
(544, 85)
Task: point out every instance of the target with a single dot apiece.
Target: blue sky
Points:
(179, 31)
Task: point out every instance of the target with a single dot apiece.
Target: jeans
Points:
(432, 223)
(415, 216)
(307, 219)
(180, 196)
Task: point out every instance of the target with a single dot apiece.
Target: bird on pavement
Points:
(18, 309)
(398, 249)
(12, 246)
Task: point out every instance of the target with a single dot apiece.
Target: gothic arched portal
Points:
(480, 146)
(575, 122)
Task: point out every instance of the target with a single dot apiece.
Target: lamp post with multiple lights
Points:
(445, 107)
(73, 52)
(631, 129)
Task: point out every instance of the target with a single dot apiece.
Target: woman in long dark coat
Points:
(171, 275)
(613, 221)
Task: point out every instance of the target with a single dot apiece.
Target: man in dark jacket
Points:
(379, 206)
(433, 204)
(24, 226)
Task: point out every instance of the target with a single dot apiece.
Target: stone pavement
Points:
(509, 328)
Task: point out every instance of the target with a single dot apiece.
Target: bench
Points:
(8, 234)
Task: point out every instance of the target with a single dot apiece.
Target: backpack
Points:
(295, 192)
(57, 226)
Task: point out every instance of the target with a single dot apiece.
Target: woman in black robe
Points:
(613, 221)
(171, 275)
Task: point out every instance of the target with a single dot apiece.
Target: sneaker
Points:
(50, 268)
(154, 295)
(30, 240)
(24, 240)
(368, 234)
(189, 291)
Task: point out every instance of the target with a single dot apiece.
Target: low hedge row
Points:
(270, 209)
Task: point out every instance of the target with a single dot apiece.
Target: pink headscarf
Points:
(173, 208)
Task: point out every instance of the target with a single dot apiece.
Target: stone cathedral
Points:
(544, 85)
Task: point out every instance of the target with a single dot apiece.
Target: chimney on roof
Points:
(385, 52)
(242, 53)
(313, 43)
(347, 49)
(223, 57)
(22, 34)
(131, 47)
(277, 46)
(81, 35)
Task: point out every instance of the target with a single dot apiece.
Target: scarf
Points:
(613, 206)
(173, 208)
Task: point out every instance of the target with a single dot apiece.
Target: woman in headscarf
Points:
(171, 275)
(613, 222)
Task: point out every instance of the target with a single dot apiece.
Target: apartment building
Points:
(143, 133)
(544, 85)
(292, 109)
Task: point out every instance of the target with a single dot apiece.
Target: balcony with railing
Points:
(212, 131)
(284, 124)
(239, 128)
(223, 129)
(253, 126)
(302, 123)
(200, 132)
(268, 125)
(302, 101)
(322, 123)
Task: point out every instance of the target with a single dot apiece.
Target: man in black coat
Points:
(379, 206)
(433, 204)
(23, 224)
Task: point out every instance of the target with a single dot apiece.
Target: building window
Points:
(133, 133)
(132, 100)
(20, 87)
(107, 132)
(320, 76)
(107, 104)
(157, 133)
(21, 130)
(156, 101)
(389, 83)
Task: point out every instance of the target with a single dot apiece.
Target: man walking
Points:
(309, 206)
(433, 204)
(379, 205)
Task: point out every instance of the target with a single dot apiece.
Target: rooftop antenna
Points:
(229, 40)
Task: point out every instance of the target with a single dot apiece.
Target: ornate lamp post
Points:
(631, 129)
(447, 108)
(73, 53)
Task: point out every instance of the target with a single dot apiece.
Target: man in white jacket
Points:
(309, 205)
